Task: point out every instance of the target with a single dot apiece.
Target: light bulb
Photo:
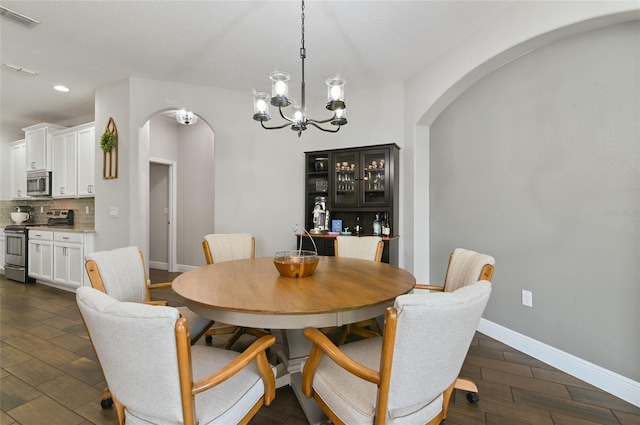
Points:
(281, 88)
(261, 105)
(336, 92)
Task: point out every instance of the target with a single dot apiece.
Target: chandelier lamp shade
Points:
(280, 98)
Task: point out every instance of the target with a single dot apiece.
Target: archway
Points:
(177, 209)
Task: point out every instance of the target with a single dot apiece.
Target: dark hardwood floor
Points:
(49, 374)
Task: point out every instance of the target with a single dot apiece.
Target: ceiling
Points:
(231, 44)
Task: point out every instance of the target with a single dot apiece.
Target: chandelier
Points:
(280, 98)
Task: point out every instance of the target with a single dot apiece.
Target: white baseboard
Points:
(165, 266)
(611, 382)
(185, 268)
(158, 265)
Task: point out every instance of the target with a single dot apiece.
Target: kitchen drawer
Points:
(42, 235)
(68, 237)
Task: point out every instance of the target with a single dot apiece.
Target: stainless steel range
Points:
(17, 253)
(17, 242)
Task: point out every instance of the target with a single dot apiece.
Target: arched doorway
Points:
(179, 204)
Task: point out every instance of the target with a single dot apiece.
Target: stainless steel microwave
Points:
(39, 183)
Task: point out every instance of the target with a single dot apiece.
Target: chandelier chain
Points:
(280, 99)
(302, 25)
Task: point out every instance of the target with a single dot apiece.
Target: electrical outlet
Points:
(527, 298)
(113, 211)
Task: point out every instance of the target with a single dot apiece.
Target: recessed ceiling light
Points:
(61, 88)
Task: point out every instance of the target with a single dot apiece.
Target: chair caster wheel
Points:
(106, 403)
(208, 339)
(473, 397)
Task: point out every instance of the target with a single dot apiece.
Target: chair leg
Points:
(106, 401)
(234, 338)
(468, 386)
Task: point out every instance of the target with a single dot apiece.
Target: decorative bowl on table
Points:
(296, 263)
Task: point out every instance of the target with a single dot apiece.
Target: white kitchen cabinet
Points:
(39, 139)
(64, 165)
(86, 161)
(41, 255)
(73, 162)
(68, 259)
(18, 172)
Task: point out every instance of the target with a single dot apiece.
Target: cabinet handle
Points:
(65, 237)
(90, 188)
(61, 190)
(64, 250)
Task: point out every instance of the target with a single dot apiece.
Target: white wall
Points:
(522, 28)
(162, 136)
(196, 191)
(113, 101)
(525, 27)
(258, 180)
(538, 165)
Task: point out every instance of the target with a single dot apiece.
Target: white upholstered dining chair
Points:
(221, 247)
(465, 268)
(363, 248)
(407, 375)
(121, 274)
(156, 377)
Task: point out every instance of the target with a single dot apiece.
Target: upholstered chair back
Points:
(135, 343)
(465, 268)
(122, 273)
(231, 246)
(433, 335)
(364, 247)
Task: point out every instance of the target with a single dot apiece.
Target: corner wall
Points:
(538, 165)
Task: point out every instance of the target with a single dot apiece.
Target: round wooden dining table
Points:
(252, 293)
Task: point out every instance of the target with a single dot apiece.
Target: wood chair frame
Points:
(236, 331)
(382, 378)
(366, 328)
(188, 388)
(97, 283)
(462, 383)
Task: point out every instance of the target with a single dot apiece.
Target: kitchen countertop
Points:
(72, 229)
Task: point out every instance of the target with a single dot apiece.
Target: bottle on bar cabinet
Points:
(377, 227)
(386, 227)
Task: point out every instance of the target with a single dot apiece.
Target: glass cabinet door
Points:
(346, 175)
(375, 180)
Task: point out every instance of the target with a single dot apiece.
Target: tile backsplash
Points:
(79, 207)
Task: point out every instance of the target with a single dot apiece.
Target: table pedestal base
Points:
(311, 410)
(297, 351)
